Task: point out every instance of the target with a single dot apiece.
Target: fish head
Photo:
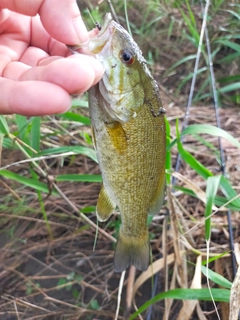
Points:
(122, 88)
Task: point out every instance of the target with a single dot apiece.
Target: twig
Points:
(129, 291)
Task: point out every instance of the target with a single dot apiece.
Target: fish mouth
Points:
(107, 19)
(104, 36)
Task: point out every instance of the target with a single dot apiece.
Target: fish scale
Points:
(129, 137)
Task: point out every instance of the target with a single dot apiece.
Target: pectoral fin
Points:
(117, 136)
(105, 205)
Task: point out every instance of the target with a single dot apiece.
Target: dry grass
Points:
(59, 278)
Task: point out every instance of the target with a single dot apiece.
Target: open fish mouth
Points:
(100, 42)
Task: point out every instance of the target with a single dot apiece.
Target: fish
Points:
(128, 131)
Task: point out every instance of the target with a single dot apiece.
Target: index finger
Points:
(61, 19)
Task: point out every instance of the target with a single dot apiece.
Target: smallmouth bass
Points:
(129, 137)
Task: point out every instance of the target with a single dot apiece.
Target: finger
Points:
(61, 19)
(75, 74)
(32, 98)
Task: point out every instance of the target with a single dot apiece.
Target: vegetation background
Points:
(51, 266)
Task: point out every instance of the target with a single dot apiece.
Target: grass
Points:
(50, 183)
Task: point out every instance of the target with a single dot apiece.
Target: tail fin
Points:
(132, 250)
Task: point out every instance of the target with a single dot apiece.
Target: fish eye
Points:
(127, 57)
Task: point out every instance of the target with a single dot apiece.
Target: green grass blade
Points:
(42, 206)
(75, 149)
(192, 29)
(218, 200)
(79, 177)
(228, 191)
(23, 129)
(190, 160)
(35, 133)
(230, 57)
(3, 125)
(75, 117)
(222, 295)
(188, 77)
(229, 78)
(35, 184)
(212, 130)
(230, 87)
(181, 61)
(212, 188)
(216, 278)
(229, 44)
(191, 15)
(214, 258)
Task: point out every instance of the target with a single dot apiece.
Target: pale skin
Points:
(37, 71)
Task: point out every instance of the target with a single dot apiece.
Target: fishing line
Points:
(187, 113)
(113, 11)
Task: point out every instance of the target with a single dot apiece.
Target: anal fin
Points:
(105, 205)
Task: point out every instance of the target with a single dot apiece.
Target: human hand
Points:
(37, 72)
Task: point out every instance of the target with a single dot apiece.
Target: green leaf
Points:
(212, 188)
(222, 295)
(217, 278)
(80, 177)
(94, 304)
(61, 282)
(88, 209)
